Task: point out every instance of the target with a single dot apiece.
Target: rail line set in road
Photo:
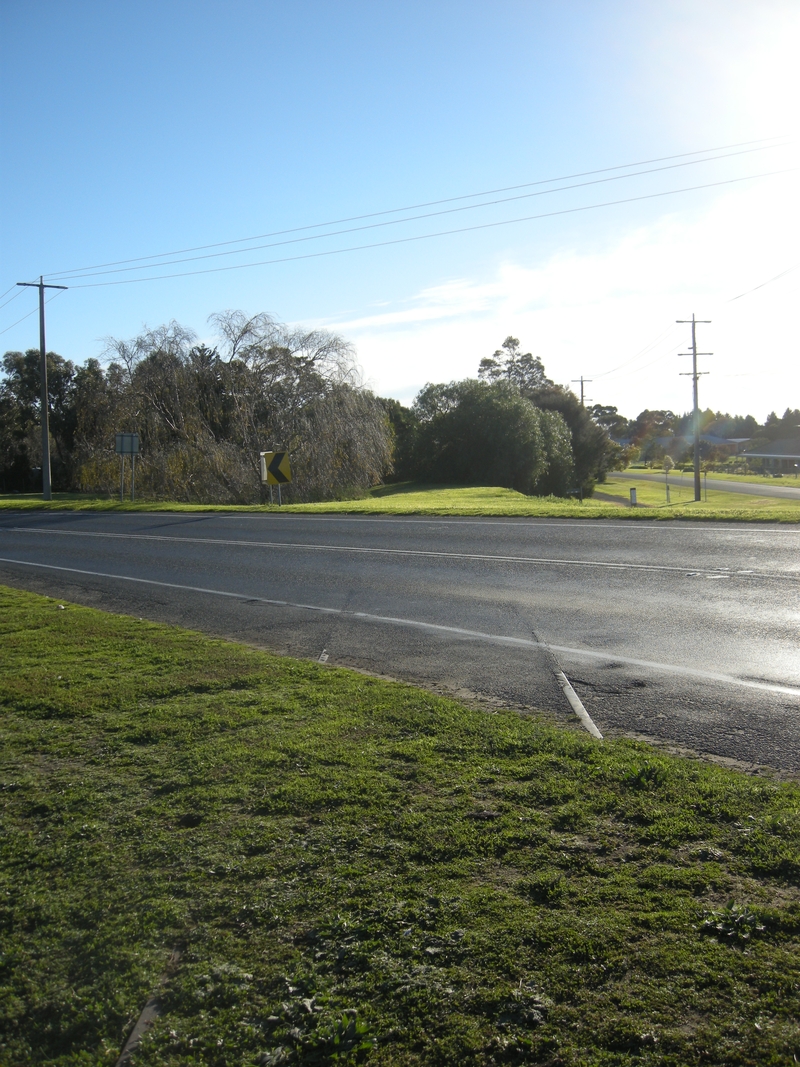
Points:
(475, 605)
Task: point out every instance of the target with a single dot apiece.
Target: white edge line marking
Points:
(577, 705)
(727, 526)
(363, 550)
(477, 635)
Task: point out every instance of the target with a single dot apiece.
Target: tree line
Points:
(512, 426)
(647, 436)
(204, 413)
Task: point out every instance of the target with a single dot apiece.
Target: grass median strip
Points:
(359, 871)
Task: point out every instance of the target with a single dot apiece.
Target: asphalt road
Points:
(684, 633)
(790, 490)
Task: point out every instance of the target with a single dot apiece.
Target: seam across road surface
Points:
(684, 632)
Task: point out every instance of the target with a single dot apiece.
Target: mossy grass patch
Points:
(354, 870)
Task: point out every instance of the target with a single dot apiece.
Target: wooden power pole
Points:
(41, 286)
(583, 381)
(695, 374)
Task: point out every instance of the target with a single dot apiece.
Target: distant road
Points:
(682, 632)
(785, 492)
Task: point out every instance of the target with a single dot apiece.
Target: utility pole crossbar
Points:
(41, 286)
(583, 381)
(695, 374)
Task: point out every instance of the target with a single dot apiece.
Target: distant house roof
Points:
(685, 440)
(777, 450)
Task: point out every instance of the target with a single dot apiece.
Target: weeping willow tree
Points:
(203, 413)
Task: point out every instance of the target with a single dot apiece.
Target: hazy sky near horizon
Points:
(136, 130)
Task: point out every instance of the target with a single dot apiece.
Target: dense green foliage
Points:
(356, 871)
(516, 429)
(203, 415)
(475, 432)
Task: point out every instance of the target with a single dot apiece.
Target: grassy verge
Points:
(652, 494)
(358, 871)
(417, 499)
(790, 480)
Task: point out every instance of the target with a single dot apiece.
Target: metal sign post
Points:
(127, 444)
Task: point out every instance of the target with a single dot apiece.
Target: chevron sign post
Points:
(275, 470)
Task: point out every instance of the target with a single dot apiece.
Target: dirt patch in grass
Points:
(359, 871)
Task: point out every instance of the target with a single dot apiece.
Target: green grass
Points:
(791, 480)
(358, 871)
(413, 498)
(651, 494)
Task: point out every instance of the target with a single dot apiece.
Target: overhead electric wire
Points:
(396, 222)
(14, 297)
(439, 233)
(25, 316)
(769, 281)
(661, 336)
(431, 203)
(642, 352)
(663, 355)
(29, 313)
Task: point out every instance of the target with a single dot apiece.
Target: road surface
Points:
(787, 491)
(683, 632)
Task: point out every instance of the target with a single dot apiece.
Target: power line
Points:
(658, 359)
(435, 203)
(393, 222)
(440, 233)
(643, 351)
(28, 315)
(13, 324)
(647, 366)
(14, 297)
(769, 281)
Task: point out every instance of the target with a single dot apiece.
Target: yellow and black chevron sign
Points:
(275, 468)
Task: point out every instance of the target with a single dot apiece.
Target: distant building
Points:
(739, 443)
(683, 444)
(780, 457)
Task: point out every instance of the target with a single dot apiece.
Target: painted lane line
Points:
(473, 635)
(677, 525)
(416, 552)
(577, 706)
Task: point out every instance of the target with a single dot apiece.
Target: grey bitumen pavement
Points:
(683, 632)
(788, 490)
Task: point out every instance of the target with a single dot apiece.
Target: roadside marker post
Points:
(127, 444)
(633, 497)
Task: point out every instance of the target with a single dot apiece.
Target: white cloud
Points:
(587, 312)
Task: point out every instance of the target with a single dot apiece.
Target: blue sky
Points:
(130, 130)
